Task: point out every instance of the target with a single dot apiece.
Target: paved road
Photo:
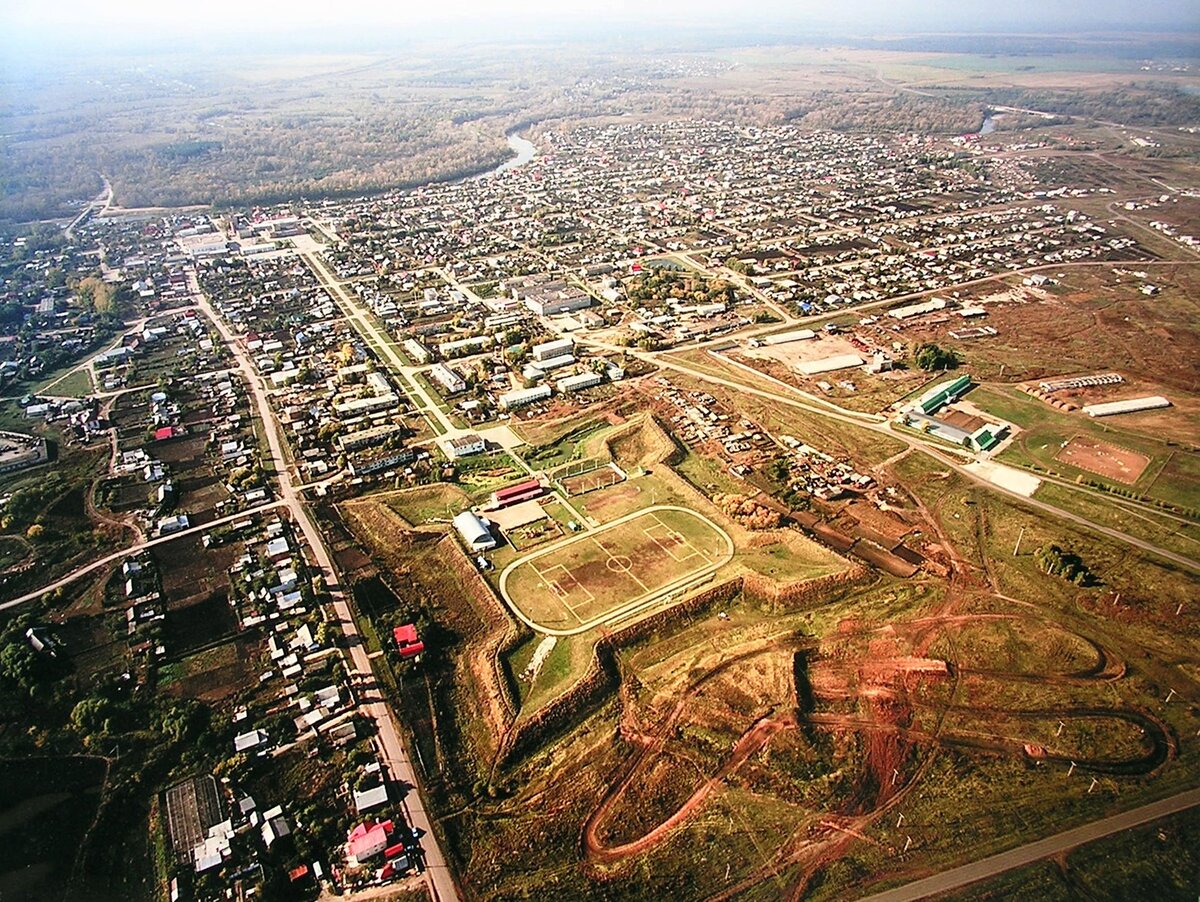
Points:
(361, 320)
(438, 876)
(406, 376)
(1035, 851)
(864, 422)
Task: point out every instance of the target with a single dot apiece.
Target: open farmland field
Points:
(1174, 533)
(1096, 319)
(608, 573)
(1180, 476)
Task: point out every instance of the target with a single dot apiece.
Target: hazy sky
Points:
(24, 19)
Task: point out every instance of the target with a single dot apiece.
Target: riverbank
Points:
(524, 150)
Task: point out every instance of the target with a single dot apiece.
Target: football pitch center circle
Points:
(619, 564)
(615, 571)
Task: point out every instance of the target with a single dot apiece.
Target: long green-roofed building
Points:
(941, 395)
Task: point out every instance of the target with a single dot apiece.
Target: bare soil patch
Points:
(1103, 459)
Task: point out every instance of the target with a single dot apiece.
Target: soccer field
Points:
(609, 572)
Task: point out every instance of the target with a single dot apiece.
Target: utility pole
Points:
(1017, 547)
(899, 821)
(1071, 769)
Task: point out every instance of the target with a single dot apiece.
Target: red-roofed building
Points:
(366, 841)
(514, 494)
(408, 643)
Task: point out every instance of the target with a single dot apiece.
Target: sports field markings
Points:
(620, 563)
(614, 570)
(677, 539)
(556, 585)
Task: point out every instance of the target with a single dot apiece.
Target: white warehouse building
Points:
(475, 531)
(522, 396)
(1132, 405)
(578, 383)
(551, 349)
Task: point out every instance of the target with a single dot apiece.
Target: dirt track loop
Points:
(1159, 745)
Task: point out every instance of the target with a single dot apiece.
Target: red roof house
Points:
(366, 841)
(408, 643)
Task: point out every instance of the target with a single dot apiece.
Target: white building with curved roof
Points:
(475, 531)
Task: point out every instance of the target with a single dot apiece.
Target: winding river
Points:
(524, 150)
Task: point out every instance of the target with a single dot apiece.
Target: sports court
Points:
(579, 477)
(1110, 461)
(600, 478)
(588, 578)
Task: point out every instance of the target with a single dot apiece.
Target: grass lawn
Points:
(1179, 479)
(75, 384)
(1183, 538)
(481, 474)
(629, 496)
(1173, 474)
(576, 443)
(708, 475)
(543, 434)
(426, 503)
(567, 662)
(790, 558)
